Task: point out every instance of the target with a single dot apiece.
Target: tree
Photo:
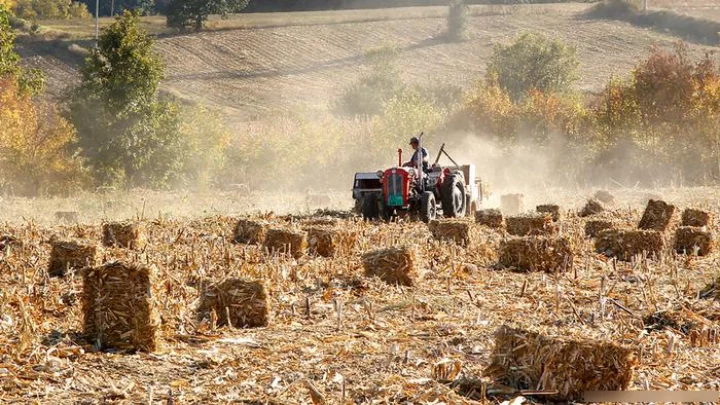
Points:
(30, 80)
(457, 20)
(533, 62)
(183, 14)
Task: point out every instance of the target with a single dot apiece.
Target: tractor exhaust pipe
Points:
(399, 157)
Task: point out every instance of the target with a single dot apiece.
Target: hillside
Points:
(285, 63)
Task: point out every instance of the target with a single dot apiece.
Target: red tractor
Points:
(407, 191)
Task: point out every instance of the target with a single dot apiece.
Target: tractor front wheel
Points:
(428, 207)
(370, 207)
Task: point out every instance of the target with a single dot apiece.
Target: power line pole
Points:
(97, 23)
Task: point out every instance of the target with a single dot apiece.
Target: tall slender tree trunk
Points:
(198, 23)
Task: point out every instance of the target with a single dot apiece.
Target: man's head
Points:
(414, 142)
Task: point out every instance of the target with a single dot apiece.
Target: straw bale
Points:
(393, 265)
(604, 197)
(531, 224)
(246, 302)
(127, 235)
(625, 244)
(537, 253)
(66, 255)
(120, 307)
(321, 221)
(551, 209)
(592, 207)
(657, 216)
(491, 218)
(694, 241)
(595, 226)
(569, 363)
(67, 216)
(251, 232)
(512, 204)
(330, 241)
(453, 230)
(286, 241)
(697, 218)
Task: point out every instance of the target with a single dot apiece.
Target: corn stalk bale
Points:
(532, 224)
(66, 255)
(537, 253)
(286, 241)
(394, 265)
(512, 204)
(245, 302)
(594, 226)
(624, 244)
(491, 218)
(126, 235)
(696, 218)
(251, 232)
(330, 241)
(569, 363)
(694, 241)
(657, 216)
(604, 197)
(592, 207)
(120, 307)
(453, 230)
(552, 209)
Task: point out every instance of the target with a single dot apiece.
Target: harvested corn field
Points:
(196, 318)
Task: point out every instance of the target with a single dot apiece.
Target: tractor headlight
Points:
(380, 173)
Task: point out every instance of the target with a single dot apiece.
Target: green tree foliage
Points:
(533, 61)
(183, 14)
(457, 20)
(30, 80)
(108, 7)
(51, 9)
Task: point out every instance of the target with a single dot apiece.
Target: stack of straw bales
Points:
(120, 307)
(328, 241)
(453, 230)
(694, 241)
(127, 235)
(236, 303)
(66, 255)
(657, 216)
(251, 232)
(286, 241)
(537, 253)
(491, 218)
(594, 226)
(696, 218)
(592, 207)
(393, 265)
(512, 204)
(569, 362)
(532, 224)
(552, 209)
(624, 244)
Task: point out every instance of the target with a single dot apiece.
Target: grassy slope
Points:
(302, 60)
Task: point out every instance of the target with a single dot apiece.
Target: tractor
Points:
(400, 191)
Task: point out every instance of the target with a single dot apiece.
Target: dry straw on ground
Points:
(457, 231)
(70, 255)
(594, 226)
(551, 209)
(696, 218)
(393, 265)
(127, 235)
(694, 241)
(492, 218)
(657, 216)
(120, 307)
(236, 303)
(592, 207)
(604, 197)
(286, 241)
(625, 244)
(327, 241)
(566, 362)
(531, 224)
(537, 253)
(512, 204)
(250, 231)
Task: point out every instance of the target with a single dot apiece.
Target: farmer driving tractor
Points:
(415, 144)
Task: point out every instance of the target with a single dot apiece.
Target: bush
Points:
(51, 9)
(533, 62)
(457, 20)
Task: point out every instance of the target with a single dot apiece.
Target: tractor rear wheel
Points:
(370, 207)
(428, 207)
(453, 196)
